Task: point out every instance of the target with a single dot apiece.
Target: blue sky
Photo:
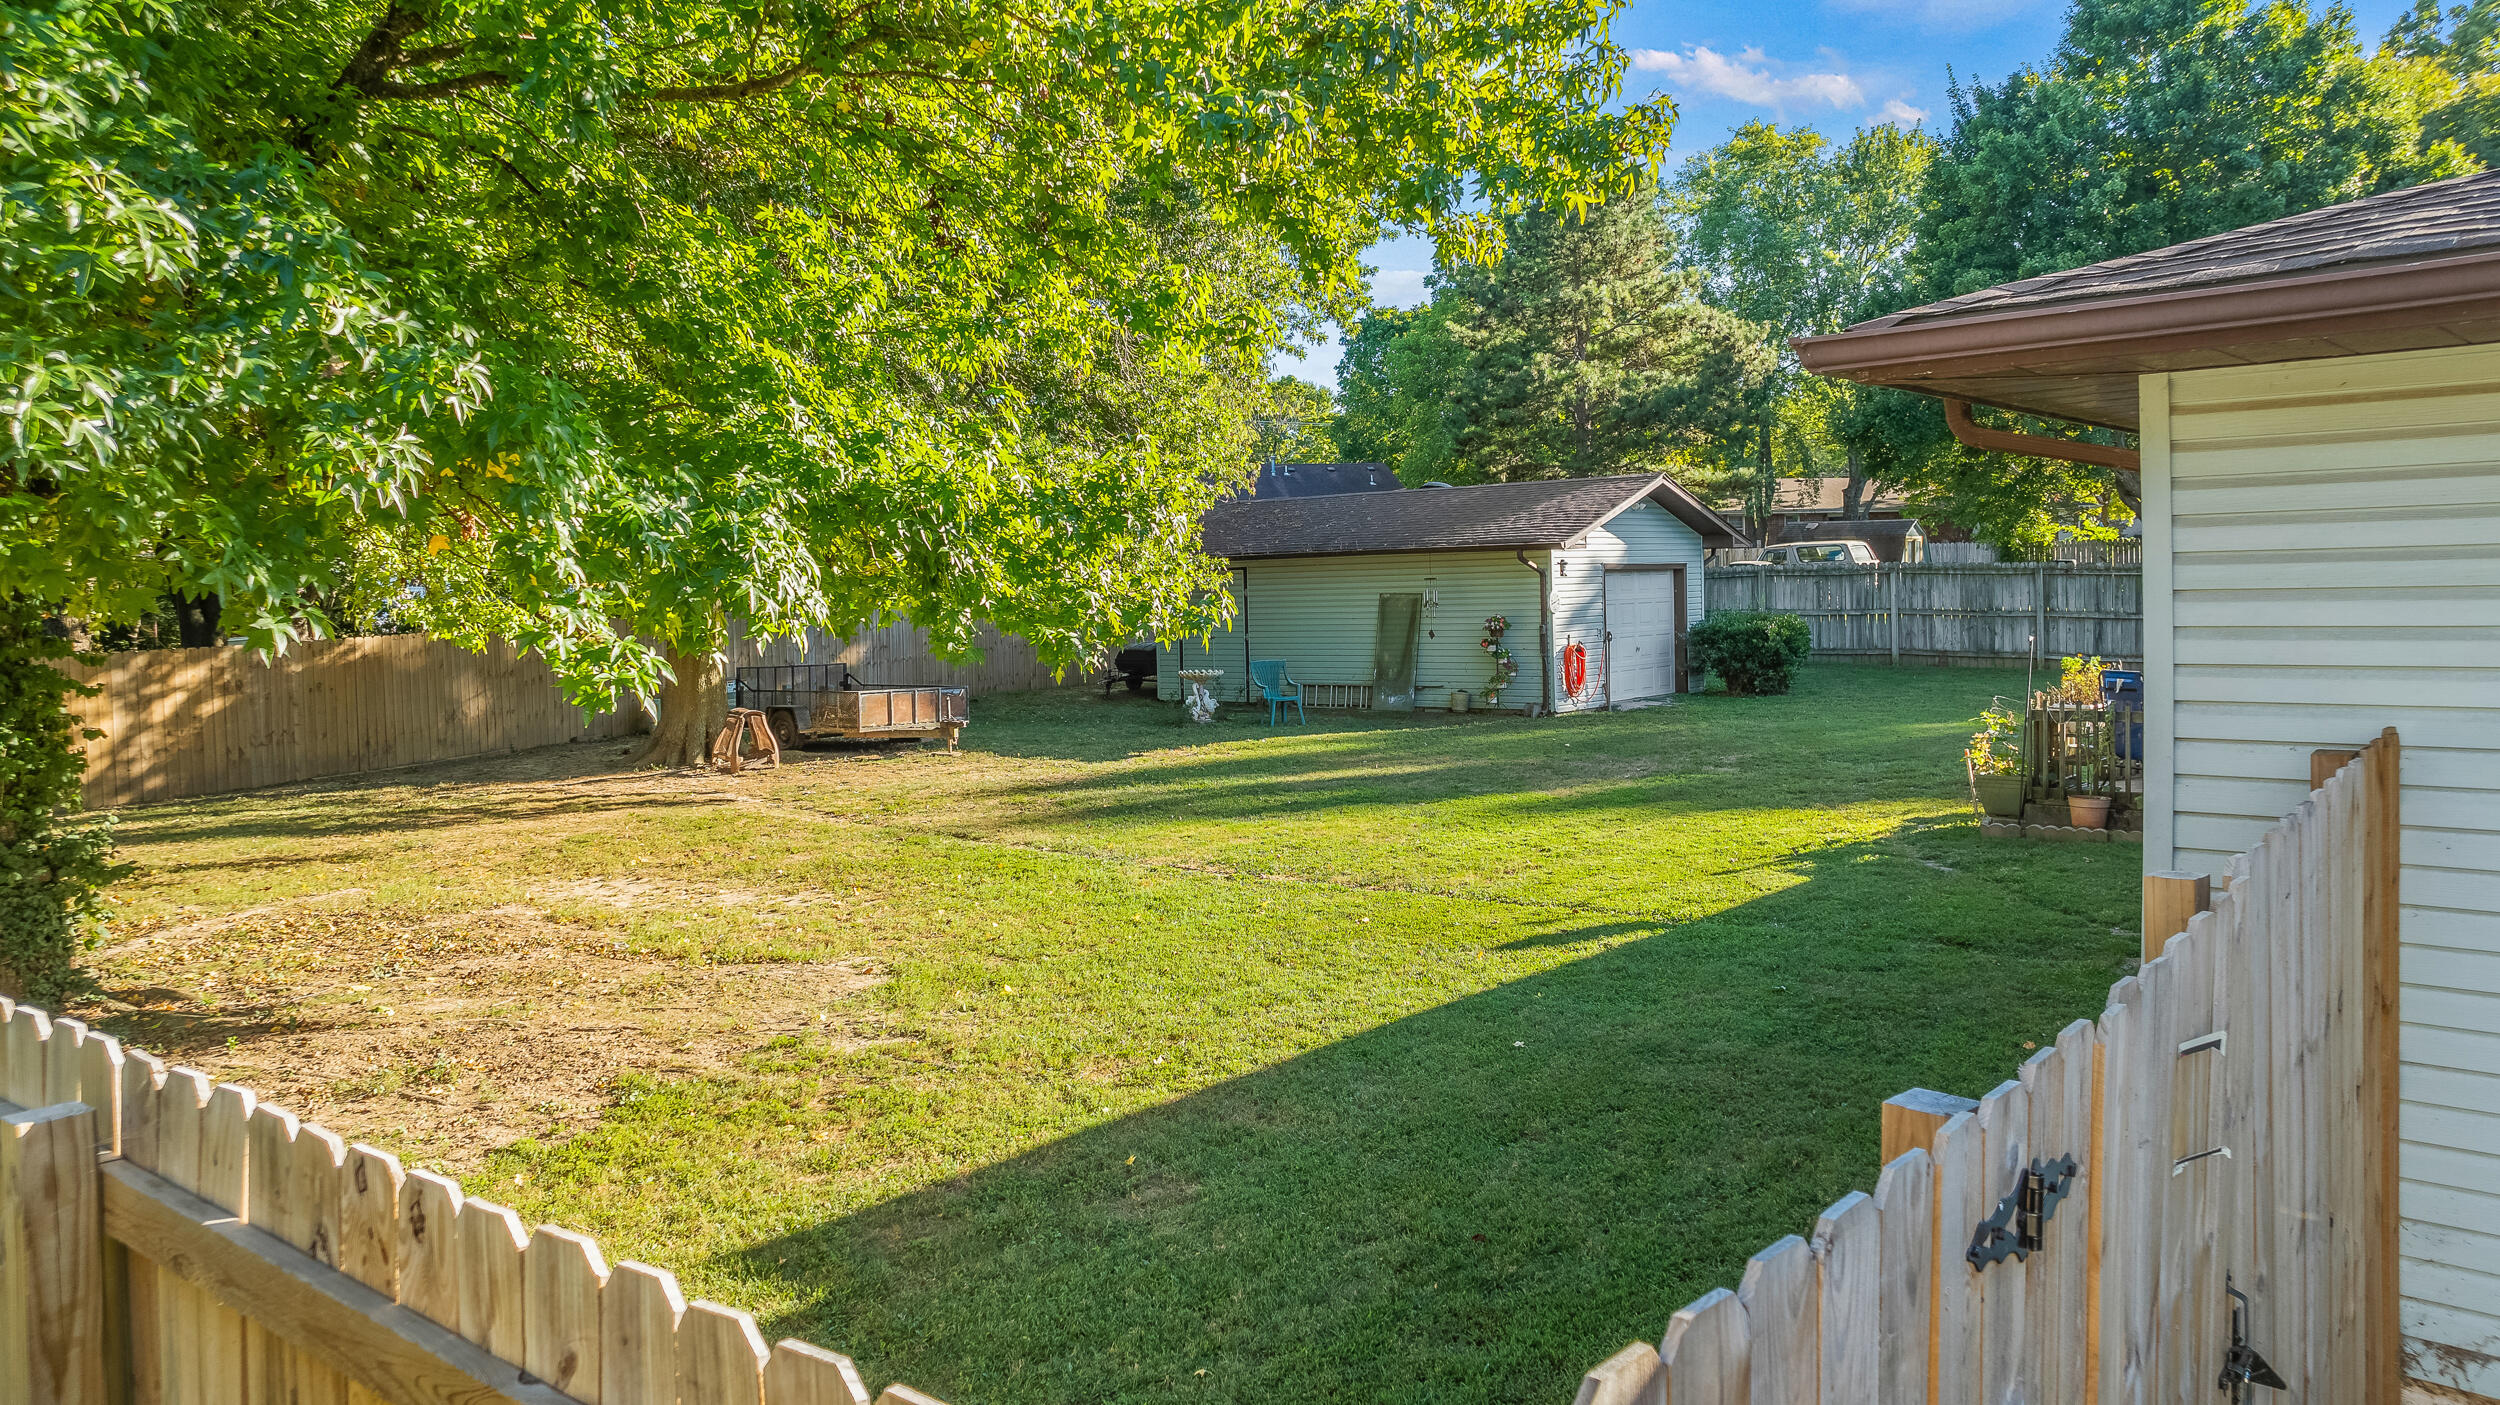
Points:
(1835, 65)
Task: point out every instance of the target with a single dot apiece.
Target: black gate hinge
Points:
(2021, 1221)
(2242, 1367)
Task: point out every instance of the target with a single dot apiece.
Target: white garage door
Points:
(1640, 634)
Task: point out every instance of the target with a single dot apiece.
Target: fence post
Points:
(2171, 900)
(1911, 1120)
(2382, 879)
(52, 1317)
(2325, 762)
(1893, 608)
(2039, 612)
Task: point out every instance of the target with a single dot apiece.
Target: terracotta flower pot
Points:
(2001, 796)
(2088, 811)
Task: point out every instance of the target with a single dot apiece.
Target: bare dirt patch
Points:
(447, 1037)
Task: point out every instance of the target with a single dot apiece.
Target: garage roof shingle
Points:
(1545, 513)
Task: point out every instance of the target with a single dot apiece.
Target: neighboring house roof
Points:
(1556, 512)
(2407, 270)
(1865, 529)
(1313, 480)
(1824, 495)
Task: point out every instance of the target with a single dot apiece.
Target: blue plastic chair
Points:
(1278, 688)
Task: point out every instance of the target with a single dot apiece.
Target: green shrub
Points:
(54, 857)
(1754, 651)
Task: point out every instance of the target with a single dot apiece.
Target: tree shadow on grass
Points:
(1478, 1201)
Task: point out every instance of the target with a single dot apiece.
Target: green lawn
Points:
(1113, 1060)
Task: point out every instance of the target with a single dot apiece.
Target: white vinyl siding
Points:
(2323, 545)
(1320, 614)
(1642, 535)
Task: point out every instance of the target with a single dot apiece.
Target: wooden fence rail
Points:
(166, 1241)
(2075, 1237)
(1976, 614)
(182, 722)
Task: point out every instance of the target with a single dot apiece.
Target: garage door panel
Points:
(1640, 628)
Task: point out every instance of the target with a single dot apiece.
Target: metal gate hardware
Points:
(2243, 1367)
(2021, 1221)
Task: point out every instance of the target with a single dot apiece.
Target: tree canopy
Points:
(2159, 121)
(1583, 351)
(1801, 237)
(2456, 54)
(583, 326)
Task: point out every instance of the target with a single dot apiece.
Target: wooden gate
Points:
(2075, 1237)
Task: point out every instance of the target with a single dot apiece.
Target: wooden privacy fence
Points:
(168, 1242)
(182, 722)
(2076, 1236)
(1977, 614)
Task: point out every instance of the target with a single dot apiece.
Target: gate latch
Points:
(2242, 1367)
(2021, 1221)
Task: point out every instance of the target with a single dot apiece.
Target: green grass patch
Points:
(1376, 1059)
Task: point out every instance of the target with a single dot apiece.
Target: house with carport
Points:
(1379, 599)
(2317, 403)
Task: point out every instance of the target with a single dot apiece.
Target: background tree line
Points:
(1652, 333)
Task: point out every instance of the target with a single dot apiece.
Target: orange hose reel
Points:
(1575, 668)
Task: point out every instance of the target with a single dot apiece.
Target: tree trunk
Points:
(198, 617)
(1853, 497)
(693, 704)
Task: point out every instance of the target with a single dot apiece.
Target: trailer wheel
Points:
(785, 722)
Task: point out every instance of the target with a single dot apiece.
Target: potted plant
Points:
(2084, 810)
(1995, 760)
(1504, 667)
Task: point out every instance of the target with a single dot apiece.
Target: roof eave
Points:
(2243, 318)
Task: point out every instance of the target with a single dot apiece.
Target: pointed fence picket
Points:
(2226, 1116)
(169, 1241)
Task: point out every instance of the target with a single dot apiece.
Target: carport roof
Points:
(2408, 270)
(1557, 512)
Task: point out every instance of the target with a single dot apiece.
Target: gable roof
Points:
(1313, 480)
(2410, 269)
(1495, 516)
(1824, 495)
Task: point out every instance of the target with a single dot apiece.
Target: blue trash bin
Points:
(2124, 688)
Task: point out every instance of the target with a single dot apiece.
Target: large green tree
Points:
(636, 315)
(1295, 423)
(1398, 383)
(592, 326)
(1588, 353)
(2158, 121)
(1800, 237)
(2456, 54)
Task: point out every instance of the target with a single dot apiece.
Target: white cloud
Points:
(1401, 287)
(1748, 78)
(1901, 112)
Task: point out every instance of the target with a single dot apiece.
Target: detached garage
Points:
(1380, 599)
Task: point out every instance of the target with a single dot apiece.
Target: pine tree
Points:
(1588, 353)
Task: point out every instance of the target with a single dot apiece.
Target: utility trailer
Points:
(804, 700)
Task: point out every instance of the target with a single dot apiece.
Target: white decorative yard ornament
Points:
(1199, 693)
